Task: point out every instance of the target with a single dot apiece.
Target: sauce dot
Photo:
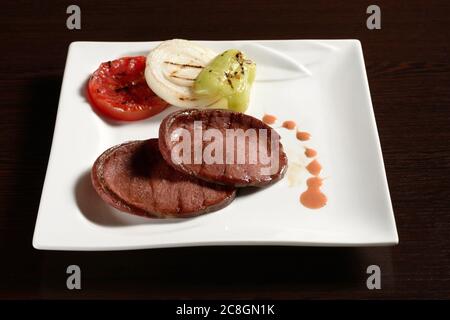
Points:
(303, 136)
(290, 125)
(313, 198)
(314, 182)
(269, 119)
(314, 168)
(310, 153)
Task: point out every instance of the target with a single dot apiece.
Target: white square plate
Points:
(321, 84)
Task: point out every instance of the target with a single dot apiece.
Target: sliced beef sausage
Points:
(221, 146)
(133, 177)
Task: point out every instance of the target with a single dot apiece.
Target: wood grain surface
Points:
(409, 75)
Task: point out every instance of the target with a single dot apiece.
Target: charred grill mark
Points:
(227, 75)
(230, 83)
(184, 65)
(179, 77)
(240, 60)
(239, 57)
(242, 67)
(125, 89)
(187, 98)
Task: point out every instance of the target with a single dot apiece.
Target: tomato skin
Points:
(118, 90)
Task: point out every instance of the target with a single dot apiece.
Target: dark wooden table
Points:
(409, 74)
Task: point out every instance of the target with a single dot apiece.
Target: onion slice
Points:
(172, 68)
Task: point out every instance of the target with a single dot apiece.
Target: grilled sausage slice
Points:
(247, 146)
(133, 177)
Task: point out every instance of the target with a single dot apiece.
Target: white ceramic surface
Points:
(321, 84)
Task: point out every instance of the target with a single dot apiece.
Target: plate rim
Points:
(392, 240)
